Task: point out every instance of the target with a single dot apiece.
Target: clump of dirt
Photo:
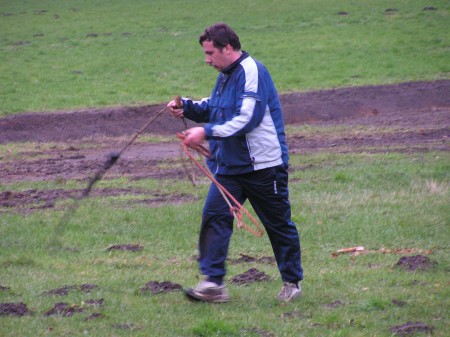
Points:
(156, 287)
(93, 302)
(126, 326)
(391, 10)
(63, 309)
(64, 290)
(416, 262)
(398, 303)
(14, 309)
(295, 314)
(334, 304)
(410, 328)
(95, 315)
(127, 247)
(419, 283)
(87, 287)
(248, 259)
(258, 331)
(250, 276)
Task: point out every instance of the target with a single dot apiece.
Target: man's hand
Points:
(194, 136)
(175, 106)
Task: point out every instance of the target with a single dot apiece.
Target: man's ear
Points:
(228, 49)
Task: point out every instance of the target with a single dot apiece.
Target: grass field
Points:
(71, 54)
(58, 55)
(380, 201)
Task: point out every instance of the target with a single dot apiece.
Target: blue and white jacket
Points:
(244, 121)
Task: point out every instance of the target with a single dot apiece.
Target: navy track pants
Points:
(267, 191)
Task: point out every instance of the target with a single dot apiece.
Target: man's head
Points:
(221, 46)
(221, 35)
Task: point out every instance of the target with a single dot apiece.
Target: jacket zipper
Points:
(217, 158)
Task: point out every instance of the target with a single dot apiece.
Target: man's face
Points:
(215, 57)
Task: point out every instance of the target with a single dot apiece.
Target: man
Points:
(245, 129)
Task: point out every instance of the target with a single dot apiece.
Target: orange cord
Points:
(236, 210)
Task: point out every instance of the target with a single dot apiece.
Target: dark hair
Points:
(221, 35)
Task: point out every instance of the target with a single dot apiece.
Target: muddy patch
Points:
(140, 163)
(295, 314)
(249, 259)
(156, 287)
(63, 309)
(96, 303)
(257, 331)
(126, 247)
(411, 328)
(250, 276)
(399, 141)
(64, 290)
(14, 309)
(93, 316)
(416, 262)
(418, 111)
(390, 101)
(29, 200)
(127, 326)
(398, 303)
(334, 304)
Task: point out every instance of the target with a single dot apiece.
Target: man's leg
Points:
(216, 229)
(215, 233)
(267, 190)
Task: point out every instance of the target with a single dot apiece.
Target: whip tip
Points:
(112, 157)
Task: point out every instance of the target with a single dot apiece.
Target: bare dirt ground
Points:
(419, 112)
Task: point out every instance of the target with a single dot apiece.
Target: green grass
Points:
(375, 200)
(72, 54)
(146, 52)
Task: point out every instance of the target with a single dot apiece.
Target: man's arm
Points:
(197, 111)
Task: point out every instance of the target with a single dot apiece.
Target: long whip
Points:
(110, 161)
(114, 156)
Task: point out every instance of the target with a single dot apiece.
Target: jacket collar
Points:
(228, 70)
